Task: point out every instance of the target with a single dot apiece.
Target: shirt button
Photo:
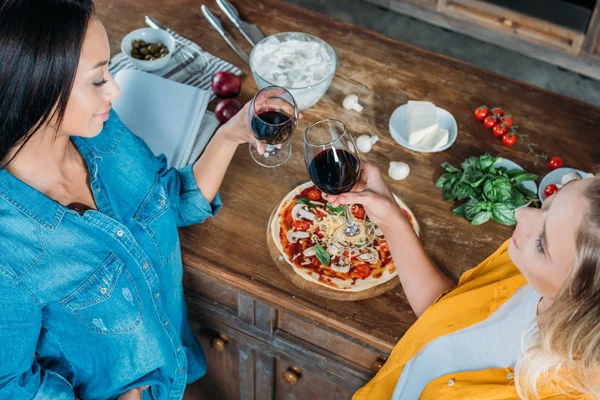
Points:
(178, 349)
(180, 370)
(451, 382)
(509, 376)
(98, 189)
(120, 233)
(162, 202)
(166, 322)
(156, 295)
(145, 265)
(103, 290)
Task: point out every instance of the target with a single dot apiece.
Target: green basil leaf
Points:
(504, 213)
(444, 178)
(460, 211)
(489, 190)
(486, 161)
(524, 176)
(449, 167)
(482, 218)
(305, 201)
(322, 255)
(466, 191)
(339, 210)
(526, 191)
(472, 208)
(470, 164)
(517, 198)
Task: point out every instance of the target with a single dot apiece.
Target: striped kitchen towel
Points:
(178, 68)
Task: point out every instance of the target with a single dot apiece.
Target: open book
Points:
(171, 117)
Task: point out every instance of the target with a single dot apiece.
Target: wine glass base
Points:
(362, 237)
(273, 157)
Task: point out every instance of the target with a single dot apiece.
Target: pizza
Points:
(302, 228)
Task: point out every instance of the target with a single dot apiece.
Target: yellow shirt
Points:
(480, 292)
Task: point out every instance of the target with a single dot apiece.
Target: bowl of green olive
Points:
(148, 49)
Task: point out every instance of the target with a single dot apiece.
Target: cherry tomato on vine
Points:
(490, 121)
(500, 129)
(498, 111)
(509, 139)
(481, 112)
(507, 119)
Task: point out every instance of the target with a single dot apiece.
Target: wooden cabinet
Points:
(258, 351)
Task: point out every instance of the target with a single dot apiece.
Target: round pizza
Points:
(302, 229)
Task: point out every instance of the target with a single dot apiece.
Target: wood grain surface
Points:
(384, 73)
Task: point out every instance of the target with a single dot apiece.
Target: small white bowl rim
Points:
(550, 176)
(171, 45)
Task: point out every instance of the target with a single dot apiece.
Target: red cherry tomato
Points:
(509, 139)
(363, 270)
(314, 194)
(490, 121)
(555, 163)
(550, 190)
(498, 111)
(318, 232)
(500, 129)
(301, 225)
(507, 119)
(481, 112)
(358, 211)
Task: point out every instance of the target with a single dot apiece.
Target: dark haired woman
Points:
(91, 301)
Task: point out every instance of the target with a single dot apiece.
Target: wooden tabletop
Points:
(384, 73)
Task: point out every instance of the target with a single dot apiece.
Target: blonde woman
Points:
(524, 323)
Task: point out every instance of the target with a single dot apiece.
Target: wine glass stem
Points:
(351, 228)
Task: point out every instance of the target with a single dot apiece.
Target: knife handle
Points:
(214, 21)
(152, 23)
(230, 11)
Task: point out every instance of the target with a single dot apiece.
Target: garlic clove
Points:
(569, 176)
(398, 170)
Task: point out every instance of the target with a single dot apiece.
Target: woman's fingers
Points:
(365, 198)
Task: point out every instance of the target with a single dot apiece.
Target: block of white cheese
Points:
(421, 118)
(435, 140)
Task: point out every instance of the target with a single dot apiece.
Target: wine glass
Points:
(333, 163)
(273, 117)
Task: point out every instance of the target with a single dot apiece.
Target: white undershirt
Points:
(492, 343)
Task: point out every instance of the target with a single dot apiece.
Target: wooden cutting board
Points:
(314, 288)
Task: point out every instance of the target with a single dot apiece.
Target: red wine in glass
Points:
(334, 171)
(273, 126)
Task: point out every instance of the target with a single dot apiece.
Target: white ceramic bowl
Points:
(149, 35)
(399, 131)
(305, 96)
(510, 165)
(554, 177)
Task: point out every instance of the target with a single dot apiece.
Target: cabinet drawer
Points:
(211, 288)
(512, 23)
(332, 342)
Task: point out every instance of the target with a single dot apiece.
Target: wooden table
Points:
(233, 287)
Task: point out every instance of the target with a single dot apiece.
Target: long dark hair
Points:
(40, 45)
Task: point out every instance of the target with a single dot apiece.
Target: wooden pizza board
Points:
(314, 288)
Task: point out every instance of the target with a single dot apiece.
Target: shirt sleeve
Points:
(20, 323)
(190, 205)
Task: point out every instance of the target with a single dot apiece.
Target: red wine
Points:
(273, 126)
(334, 171)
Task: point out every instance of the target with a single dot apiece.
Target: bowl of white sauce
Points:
(301, 63)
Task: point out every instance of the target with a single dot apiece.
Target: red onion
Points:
(226, 109)
(226, 84)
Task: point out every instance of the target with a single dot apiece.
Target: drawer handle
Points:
(378, 364)
(292, 375)
(219, 342)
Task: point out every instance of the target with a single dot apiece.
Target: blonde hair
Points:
(565, 352)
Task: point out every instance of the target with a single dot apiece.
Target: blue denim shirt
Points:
(97, 296)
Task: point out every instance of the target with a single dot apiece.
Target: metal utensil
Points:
(250, 31)
(192, 60)
(214, 21)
